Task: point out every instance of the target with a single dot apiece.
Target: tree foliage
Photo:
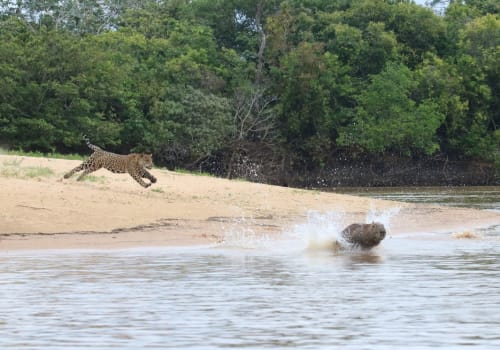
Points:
(389, 119)
(188, 80)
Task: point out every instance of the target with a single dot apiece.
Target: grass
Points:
(304, 190)
(45, 155)
(15, 162)
(13, 168)
(80, 157)
(93, 178)
(197, 173)
(9, 172)
(157, 190)
(32, 172)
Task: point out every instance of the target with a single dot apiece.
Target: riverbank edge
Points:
(40, 209)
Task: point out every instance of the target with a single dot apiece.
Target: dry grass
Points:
(13, 168)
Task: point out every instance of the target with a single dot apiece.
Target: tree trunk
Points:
(262, 47)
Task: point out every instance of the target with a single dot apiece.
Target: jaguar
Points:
(134, 163)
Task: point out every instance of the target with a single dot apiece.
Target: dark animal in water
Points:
(365, 236)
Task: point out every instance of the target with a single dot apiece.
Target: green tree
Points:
(441, 82)
(60, 81)
(190, 125)
(297, 80)
(379, 48)
(77, 16)
(479, 64)
(314, 88)
(387, 119)
(418, 31)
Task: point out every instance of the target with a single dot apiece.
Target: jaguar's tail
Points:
(91, 146)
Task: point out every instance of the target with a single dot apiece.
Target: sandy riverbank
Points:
(40, 210)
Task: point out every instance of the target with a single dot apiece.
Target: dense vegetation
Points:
(253, 87)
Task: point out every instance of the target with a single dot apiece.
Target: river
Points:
(254, 293)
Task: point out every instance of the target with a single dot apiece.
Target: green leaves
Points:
(188, 79)
(191, 120)
(314, 87)
(388, 119)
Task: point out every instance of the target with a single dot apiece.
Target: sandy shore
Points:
(40, 210)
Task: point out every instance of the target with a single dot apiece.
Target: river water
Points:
(255, 293)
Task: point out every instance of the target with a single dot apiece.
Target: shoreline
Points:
(111, 211)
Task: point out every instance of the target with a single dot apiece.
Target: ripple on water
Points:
(434, 292)
(257, 292)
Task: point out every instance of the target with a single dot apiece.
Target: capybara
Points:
(365, 236)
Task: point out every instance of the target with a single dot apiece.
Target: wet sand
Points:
(39, 210)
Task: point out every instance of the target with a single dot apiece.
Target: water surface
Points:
(411, 292)
(480, 197)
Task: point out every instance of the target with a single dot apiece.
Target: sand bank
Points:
(40, 210)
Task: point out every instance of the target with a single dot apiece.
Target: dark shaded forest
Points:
(305, 93)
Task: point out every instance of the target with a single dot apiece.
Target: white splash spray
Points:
(319, 231)
(382, 216)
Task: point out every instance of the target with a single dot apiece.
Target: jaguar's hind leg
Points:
(86, 172)
(77, 169)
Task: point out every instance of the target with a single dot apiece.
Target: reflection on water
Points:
(407, 293)
(412, 293)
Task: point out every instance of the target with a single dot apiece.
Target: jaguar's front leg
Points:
(147, 175)
(137, 178)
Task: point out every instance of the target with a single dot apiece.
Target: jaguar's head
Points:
(146, 160)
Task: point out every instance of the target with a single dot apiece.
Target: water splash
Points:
(321, 231)
(382, 216)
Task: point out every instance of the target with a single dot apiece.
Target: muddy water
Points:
(411, 292)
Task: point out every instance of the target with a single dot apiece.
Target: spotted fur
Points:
(135, 164)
